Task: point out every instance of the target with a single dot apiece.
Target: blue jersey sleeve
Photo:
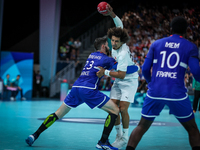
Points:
(146, 68)
(109, 62)
(194, 51)
(150, 53)
(194, 63)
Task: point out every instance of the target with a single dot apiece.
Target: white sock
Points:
(119, 129)
(125, 133)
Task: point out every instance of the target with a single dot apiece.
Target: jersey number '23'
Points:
(88, 65)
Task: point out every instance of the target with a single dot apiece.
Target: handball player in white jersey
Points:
(125, 87)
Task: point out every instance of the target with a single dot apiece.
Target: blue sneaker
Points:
(105, 146)
(30, 140)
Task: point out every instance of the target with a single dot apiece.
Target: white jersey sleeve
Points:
(122, 61)
(118, 22)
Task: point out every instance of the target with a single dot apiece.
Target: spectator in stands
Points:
(7, 86)
(38, 83)
(64, 52)
(73, 55)
(77, 45)
(15, 83)
(71, 42)
(6, 81)
(196, 88)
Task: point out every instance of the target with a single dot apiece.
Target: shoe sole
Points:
(29, 141)
(98, 146)
(103, 147)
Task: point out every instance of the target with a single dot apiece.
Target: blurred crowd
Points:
(145, 25)
(69, 51)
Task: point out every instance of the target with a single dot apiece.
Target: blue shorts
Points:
(182, 110)
(93, 98)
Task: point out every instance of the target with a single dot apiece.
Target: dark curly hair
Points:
(118, 32)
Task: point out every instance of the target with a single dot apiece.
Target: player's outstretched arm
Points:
(117, 21)
(118, 74)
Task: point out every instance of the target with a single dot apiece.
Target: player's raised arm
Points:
(116, 19)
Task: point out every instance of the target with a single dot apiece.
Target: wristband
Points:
(107, 72)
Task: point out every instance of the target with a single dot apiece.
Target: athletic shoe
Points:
(115, 143)
(105, 146)
(12, 98)
(30, 140)
(121, 142)
(23, 98)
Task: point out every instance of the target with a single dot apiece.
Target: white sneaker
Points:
(12, 98)
(23, 98)
(122, 142)
(115, 143)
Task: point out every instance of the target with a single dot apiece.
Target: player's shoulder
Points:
(124, 49)
(125, 46)
(159, 41)
(97, 54)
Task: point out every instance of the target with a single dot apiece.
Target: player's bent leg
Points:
(118, 126)
(113, 111)
(63, 109)
(120, 143)
(193, 132)
(111, 107)
(118, 118)
(123, 108)
(138, 132)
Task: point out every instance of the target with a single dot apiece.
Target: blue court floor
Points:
(81, 128)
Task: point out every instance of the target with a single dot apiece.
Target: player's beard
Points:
(107, 51)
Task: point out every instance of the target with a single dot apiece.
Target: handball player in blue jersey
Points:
(168, 58)
(85, 90)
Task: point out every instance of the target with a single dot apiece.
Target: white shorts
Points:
(124, 89)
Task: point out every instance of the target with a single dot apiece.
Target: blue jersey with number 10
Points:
(170, 57)
(88, 78)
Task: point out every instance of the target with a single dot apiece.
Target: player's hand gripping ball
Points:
(102, 8)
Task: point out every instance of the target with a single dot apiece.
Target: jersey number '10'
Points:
(163, 53)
